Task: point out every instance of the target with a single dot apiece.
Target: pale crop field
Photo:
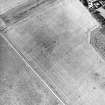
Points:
(55, 41)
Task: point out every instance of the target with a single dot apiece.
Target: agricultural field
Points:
(55, 54)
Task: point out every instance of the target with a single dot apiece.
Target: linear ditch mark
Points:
(17, 14)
